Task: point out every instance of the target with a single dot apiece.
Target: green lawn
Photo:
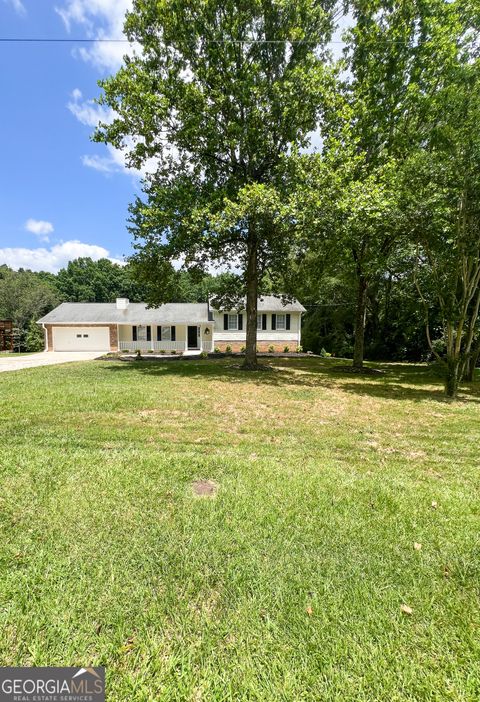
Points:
(287, 585)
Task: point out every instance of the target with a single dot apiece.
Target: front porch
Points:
(178, 338)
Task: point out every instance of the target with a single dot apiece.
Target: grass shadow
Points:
(413, 382)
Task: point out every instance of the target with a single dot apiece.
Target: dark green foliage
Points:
(85, 280)
(24, 296)
(35, 337)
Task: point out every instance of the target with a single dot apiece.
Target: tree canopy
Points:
(216, 98)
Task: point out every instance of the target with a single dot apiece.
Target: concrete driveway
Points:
(50, 358)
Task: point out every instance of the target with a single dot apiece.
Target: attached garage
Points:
(81, 338)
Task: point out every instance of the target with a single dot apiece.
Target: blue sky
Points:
(61, 196)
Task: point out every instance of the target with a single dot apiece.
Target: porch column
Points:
(186, 337)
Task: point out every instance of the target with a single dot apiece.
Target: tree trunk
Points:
(452, 377)
(360, 322)
(471, 365)
(250, 362)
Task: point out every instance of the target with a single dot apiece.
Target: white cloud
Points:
(90, 114)
(99, 19)
(113, 163)
(87, 111)
(103, 164)
(18, 6)
(53, 258)
(39, 227)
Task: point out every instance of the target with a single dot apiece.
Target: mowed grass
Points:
(287, 584)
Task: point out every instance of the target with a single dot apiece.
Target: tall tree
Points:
(442, 202)
(347, 213)
(217, 97)
(397, 55)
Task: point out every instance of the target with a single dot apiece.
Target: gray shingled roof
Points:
(274, 303)
(136, 313)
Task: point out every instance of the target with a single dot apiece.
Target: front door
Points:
(193, 337)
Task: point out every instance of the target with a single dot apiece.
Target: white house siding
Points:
(265, 337)
(125, 332)
(261, 336)
(125, 338)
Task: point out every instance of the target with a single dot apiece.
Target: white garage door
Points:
(81, 339)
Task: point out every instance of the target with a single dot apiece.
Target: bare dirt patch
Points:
(204, 488)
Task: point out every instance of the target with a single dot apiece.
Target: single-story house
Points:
(179, 327)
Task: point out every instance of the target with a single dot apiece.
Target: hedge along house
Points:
(173, 327)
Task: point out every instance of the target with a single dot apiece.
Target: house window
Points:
(232, 322)
(79, 336)
(85, 336)
(166, 334)
(281, 322)
(259, 322)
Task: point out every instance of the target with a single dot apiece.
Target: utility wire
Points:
(21, 40)
(45, 40)
(48, 40)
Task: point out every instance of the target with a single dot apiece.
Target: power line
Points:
(126, 41)
(21, 40)
(48, 40)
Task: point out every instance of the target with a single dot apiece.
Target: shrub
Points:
(150, 351)
(228, 349)
(299, 349)
(216, 350)
(271, 349)
(34, 340)
(126, 351)
(204, 354)
(286, 349)
(324, 354)
(174, 353)
(162, 351)
(242, 350)
(138, 354)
